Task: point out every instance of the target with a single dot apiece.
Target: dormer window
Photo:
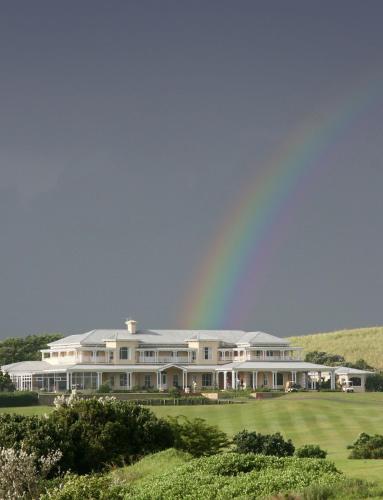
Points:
(124, 352)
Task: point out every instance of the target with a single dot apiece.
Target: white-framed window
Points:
(124, 353)
(175, 380)
(207, 352)
(123, 380)
(193, 355)
(147, 381)
(207, 380)
(265, 379)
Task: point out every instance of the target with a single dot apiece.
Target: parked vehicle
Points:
(291, 386)
(348, 386)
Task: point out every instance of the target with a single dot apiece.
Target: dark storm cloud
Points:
(127, 129)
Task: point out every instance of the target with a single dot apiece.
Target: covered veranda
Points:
(271, 375)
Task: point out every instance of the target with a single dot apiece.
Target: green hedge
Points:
(19, 398)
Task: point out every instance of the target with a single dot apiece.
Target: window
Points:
(123, 379)
(149, 354)
(279, 378)
(111, 356)
(207, 380)
(265, 380)
(124, 352)
(207, 352)
(147, 381)
(193, 355)
(175, 380)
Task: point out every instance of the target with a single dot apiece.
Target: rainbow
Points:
(245, 240)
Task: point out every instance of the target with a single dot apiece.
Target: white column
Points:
(67, 381)
(94, 356)
(233, 379)
(274, 380)
(99, 379)
(294, 376)
(225, 380)
(332, 375)
(253, 381)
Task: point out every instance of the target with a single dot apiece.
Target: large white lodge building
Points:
(135, 359)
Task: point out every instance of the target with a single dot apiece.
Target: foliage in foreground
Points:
(90, 433)
(22, 474)
(196, 436)
(222, 477)
(265, 444)
(367, 446)
(233, 475)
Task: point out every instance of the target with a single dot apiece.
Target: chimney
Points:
(131, 325)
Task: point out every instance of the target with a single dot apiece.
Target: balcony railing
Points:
(164, 359)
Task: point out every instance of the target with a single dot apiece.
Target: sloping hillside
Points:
(366, 343)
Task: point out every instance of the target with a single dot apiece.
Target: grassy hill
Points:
(366, 343)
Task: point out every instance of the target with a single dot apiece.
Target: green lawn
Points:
(332, 420)
(28, 410)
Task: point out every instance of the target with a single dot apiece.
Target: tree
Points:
(264, 444)
(6, 384)
(17, 349)
(323, 358)
(196, 436)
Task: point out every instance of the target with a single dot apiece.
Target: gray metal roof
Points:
(169, 337)
(274, 365)
(345, 370)
(35, 367)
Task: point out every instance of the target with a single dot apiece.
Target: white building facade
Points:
(134, 359)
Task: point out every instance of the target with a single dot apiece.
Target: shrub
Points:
(265, 444)
(174, 392)
(22, 475)
(90, 433)
(104, 389)
(196, 436)
(374, 382)
(367, 446)
(102, 431)
(20, 398)
(310, 451)
(87, 487)
(231, 475)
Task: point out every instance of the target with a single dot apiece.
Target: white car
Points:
(347, 387)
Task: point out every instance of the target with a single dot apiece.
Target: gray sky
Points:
(128, 128)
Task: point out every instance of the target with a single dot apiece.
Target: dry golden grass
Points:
(366, 343)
